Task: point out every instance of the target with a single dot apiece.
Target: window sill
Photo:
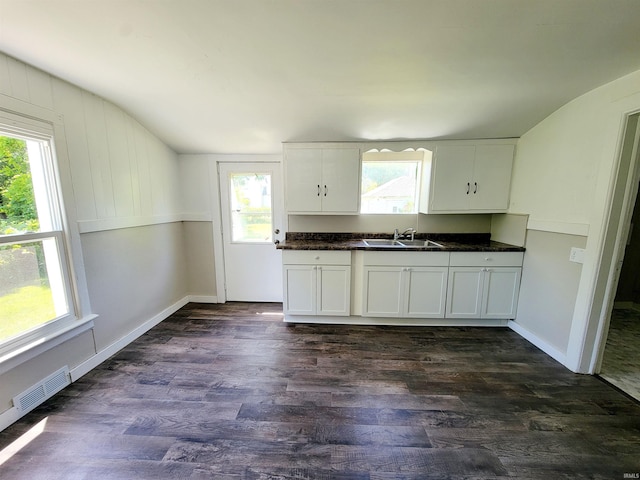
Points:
(32, 349)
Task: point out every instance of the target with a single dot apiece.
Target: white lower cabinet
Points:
(484, 284)
(316, 282)
(405, 284)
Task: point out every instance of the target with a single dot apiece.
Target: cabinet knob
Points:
(318, 257)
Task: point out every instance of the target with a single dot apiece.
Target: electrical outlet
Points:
(576, 255)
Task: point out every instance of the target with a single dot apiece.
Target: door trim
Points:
(620, 222)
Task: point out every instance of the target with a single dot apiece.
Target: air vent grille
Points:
(46, 388)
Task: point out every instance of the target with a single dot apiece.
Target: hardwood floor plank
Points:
(231, 392)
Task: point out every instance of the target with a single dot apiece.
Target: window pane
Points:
(17, 202)
(389, 187)
(250, 207)
(31, 288)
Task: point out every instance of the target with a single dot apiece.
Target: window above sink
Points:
(390, 182)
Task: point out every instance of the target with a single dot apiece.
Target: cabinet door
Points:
(334, 290)
(425, 291)
(501, 288)
(303, 184)
(340, 188)
(450, 186)
(382, 295)
(299, 289)
(492, 177)
(464, 292)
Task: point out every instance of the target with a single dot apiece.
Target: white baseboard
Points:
(550, 350)
(9, 417)
(203, 298)
(115, 347)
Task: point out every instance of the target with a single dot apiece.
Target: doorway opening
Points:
(621, 358)
(619, 346)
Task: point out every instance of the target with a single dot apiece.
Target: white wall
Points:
(387, 223)
(122, 195)
(563, 173)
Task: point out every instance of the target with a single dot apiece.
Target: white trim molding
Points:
(547, 348)
(580, 229)
(44, 343)
(118, 345)
(203, 299)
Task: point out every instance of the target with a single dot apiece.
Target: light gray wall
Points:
(201, 267)
(549, 287)
(564, 171)
(122, 198)
(132, 274)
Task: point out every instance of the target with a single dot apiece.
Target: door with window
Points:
(252, 205)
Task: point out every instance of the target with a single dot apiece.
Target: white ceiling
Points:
(242, 76)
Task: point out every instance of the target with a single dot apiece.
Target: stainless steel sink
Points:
(382, 242)
(390, 243)
(420, 243)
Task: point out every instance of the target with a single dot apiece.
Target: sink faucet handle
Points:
(410, 230)
(396, 234)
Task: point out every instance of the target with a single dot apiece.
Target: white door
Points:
(492, 177)
(252, 206)
(501, 287)
(333, 290)
(300, 289)
(464, 292)
(425, 291)
(451, 185)
(382, 291)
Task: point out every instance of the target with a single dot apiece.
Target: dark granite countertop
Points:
(451, 242)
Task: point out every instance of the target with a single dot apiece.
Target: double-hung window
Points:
(36, 295)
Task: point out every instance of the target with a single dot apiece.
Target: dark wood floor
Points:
(231, 392)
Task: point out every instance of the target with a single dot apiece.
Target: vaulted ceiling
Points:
(242, 76)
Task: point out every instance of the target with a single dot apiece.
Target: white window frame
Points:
(40, 338)
(387, 156)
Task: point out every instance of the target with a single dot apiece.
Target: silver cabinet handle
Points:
(318, 190)
(325, 190)
(468, 188)
(475, 187)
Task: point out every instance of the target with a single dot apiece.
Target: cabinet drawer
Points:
(415, 259)
(316, 257)
(486, 259)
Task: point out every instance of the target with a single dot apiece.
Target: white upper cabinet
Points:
(467, 179)
(322, 180)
